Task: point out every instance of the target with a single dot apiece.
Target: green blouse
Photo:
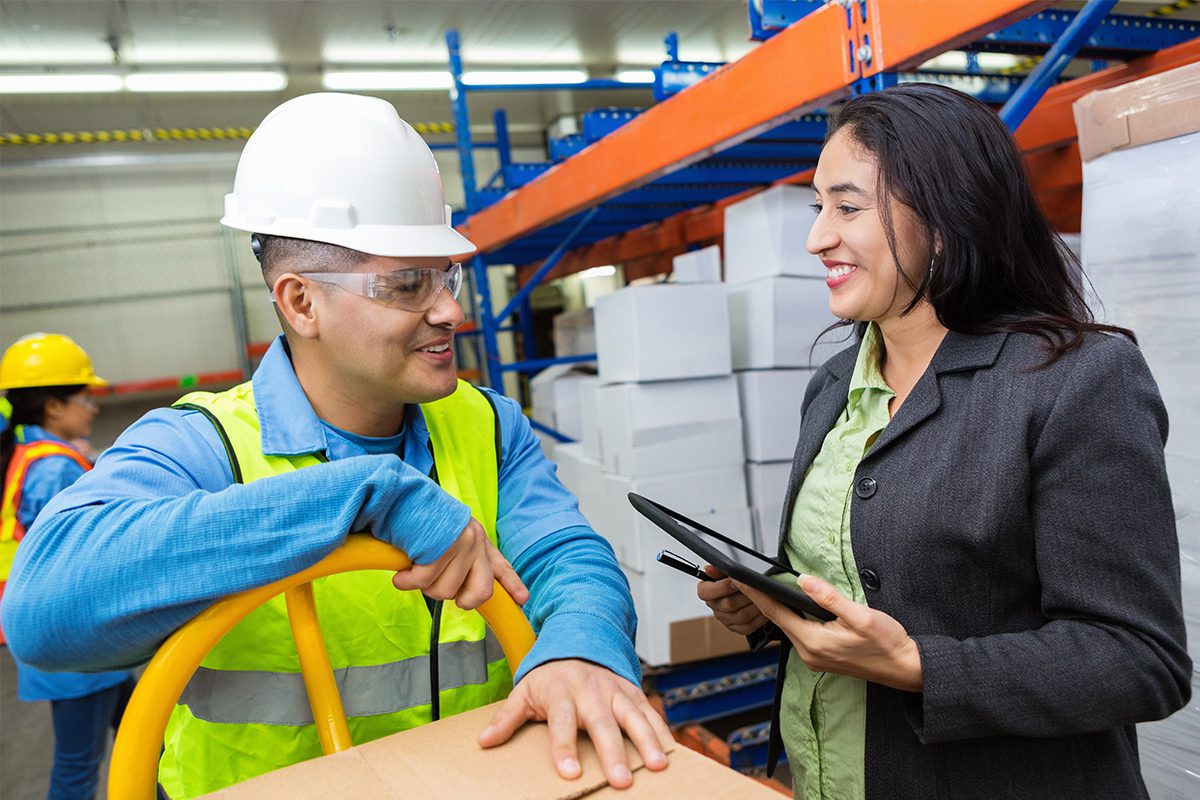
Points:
(823, 718)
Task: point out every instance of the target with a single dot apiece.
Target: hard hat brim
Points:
(94, 380)
(400, 241)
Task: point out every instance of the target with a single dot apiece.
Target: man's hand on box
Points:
(573, 695)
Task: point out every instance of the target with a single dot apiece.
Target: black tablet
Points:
(691, 535)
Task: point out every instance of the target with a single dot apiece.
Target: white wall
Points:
(124, 253)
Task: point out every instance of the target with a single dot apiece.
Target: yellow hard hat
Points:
(46, 359)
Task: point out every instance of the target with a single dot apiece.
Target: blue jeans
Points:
(80, 734)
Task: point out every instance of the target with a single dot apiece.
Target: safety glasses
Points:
(407, 289)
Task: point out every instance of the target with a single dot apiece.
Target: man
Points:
(234, 490)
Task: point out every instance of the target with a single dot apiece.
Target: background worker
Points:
(354, 420)
(48, 378)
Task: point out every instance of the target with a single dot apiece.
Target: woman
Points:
(978, 492)
(48, 378)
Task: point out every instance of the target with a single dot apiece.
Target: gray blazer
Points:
(1018, 523)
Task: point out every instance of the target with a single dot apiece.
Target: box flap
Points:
(1140, 112)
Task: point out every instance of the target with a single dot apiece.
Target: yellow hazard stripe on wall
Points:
(1170, 8)
(1023, 66)
(163, 135)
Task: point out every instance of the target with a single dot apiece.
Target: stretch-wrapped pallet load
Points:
(1140, 144)
(663, 419)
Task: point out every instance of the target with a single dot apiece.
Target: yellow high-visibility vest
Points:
(245, 712)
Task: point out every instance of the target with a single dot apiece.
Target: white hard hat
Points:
(346, 170)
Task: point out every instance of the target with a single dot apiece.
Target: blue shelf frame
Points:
(790, 148)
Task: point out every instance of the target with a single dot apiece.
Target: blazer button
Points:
(865, 488)
(869, 579)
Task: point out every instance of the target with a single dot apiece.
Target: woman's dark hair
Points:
(29, 408)
(997, 263)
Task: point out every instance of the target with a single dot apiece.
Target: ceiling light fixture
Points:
(598, 272)
(209, 81)
(59, 83)
(391, 80)
(635, 76)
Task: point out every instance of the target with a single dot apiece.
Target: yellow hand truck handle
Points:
(133, 772)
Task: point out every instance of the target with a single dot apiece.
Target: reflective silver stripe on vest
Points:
(279, 698)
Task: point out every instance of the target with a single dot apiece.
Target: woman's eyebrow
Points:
(847, 187)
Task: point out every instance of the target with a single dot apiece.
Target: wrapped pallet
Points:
(1140, 144)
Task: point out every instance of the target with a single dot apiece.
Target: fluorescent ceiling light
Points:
(45, 84)
(185, 55)
(956, 61)
(393, 80)
(524, 77)
(215, 81)
(635, 76)
(598, 272)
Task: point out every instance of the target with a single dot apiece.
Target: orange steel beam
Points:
(798, 70)
(1049, 129)
(1052, 122)
(1055, 170)
(703, 225)
(905, 33)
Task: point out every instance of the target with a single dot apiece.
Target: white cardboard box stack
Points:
(778, 306)
(556, 398)
(663, 420)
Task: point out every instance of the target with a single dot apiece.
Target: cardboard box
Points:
(716, 498)
(775, 321)
(771, 401)
(574, 333)
(589, 417)
(698, 266)
(1138, 113)
(556, 400)
(442, 760)
(663, 332)
(674, 624)
(582, 477)
(708, 446)
(668, 426)
(766, 485)
(766, 235)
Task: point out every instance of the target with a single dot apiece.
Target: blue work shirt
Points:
(45, 478)
(158, 531)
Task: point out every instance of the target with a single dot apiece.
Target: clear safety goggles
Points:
(408, 289)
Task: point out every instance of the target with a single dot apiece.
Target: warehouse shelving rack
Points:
(657, 182)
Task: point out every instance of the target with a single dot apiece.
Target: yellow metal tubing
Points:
(323, 697)
(133, 772)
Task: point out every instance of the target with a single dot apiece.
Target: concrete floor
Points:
(26, 741)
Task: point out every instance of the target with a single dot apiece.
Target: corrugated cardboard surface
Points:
(1140, 112)
(442, 760)
(694, 639)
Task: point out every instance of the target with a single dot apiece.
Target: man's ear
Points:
(297, 302)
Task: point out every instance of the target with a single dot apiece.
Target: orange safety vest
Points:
(11, 529)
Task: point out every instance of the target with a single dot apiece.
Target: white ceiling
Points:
(304, 35)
